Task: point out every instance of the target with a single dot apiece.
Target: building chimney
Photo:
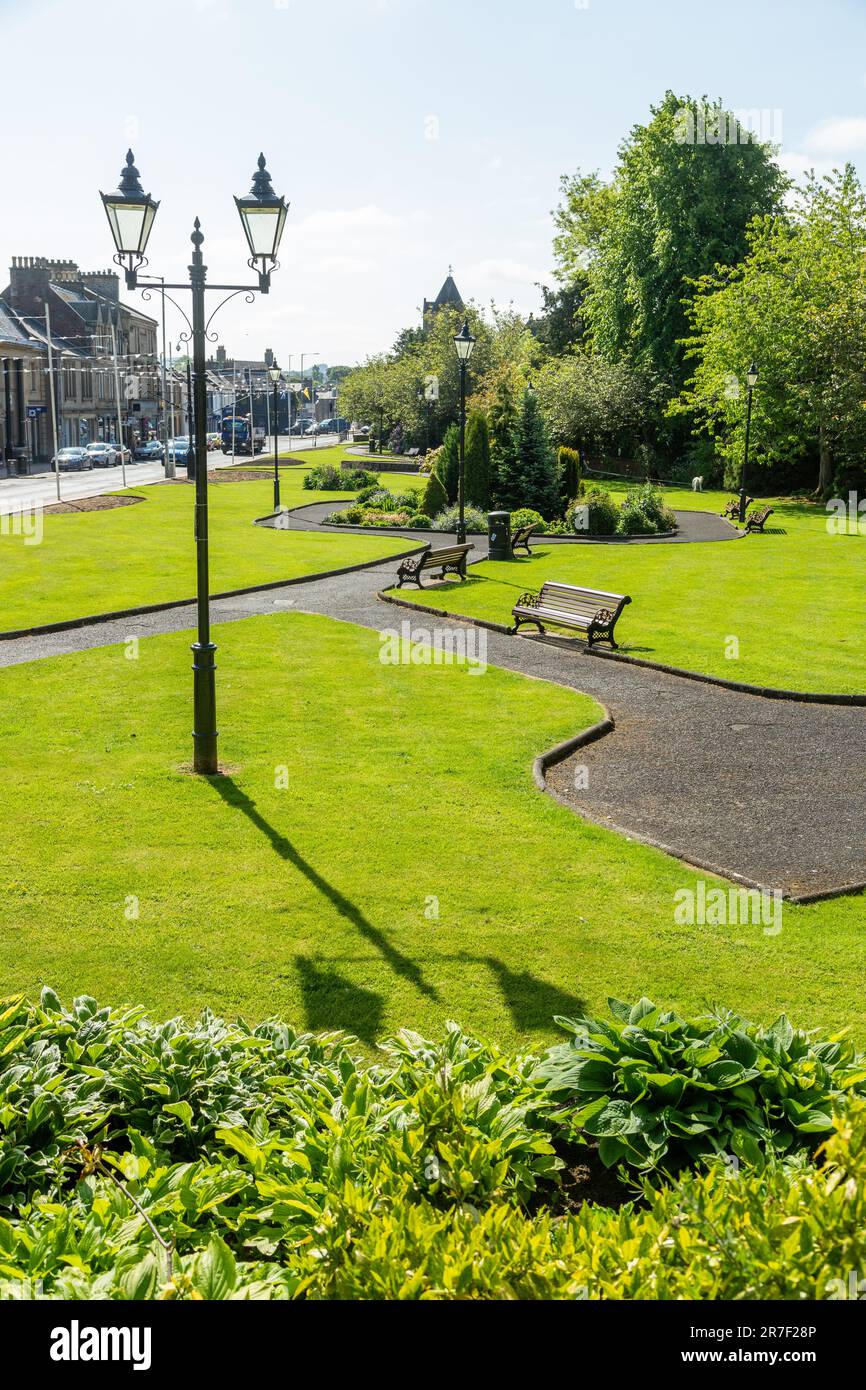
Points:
(104, 282)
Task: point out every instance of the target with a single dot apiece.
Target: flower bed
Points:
(143, 1160)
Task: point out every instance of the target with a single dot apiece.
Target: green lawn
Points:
(97, 562)
(794, 598)
(312, 894)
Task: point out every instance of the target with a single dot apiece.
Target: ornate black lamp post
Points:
(130, 213)
(465, 345)
(276, 376)
(751, 383)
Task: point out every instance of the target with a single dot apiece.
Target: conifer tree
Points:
(477, 479)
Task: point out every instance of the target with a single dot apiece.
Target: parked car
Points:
(148, 451)
(179, 449)
(71, 458)
(102, 455)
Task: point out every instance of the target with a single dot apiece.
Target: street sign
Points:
(34, 410)
(431, 388)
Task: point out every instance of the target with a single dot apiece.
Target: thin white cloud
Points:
(838, 137)
(342, 221)
(505, 271)
(799, 165)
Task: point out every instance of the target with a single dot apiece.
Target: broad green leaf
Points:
(140, 1281)
(216, 1271)
(183, 1110)
(613, 1120)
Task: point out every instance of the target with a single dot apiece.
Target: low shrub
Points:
(385, 519)
(279, 1165)
(660, 1091)
(419, 521)
(476, 521)
(326, 477)
(352, 516)
(643, 512)
(525, 516)
(777, 1234)
(594, 514)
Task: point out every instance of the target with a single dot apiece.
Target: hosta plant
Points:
(657, 1090)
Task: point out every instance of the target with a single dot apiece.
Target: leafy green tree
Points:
(562, 321)
(797, 307)
(680, 204)
(478, 477)
(538, 476)
(598, 406)
(581, 220)
(435, 498)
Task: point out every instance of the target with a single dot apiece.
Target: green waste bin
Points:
(499, 534)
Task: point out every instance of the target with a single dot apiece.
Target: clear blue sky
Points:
(408, 134)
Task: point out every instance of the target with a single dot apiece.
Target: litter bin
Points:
(499, 533)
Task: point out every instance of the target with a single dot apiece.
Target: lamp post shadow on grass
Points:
(400, 964)
(532, 1003)
(333, 1001)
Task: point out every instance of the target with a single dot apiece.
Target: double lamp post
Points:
(131, 214)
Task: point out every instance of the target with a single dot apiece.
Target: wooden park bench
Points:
(520, 539)
(756, 521)
(732, 510)
(592, 611)
(451, 560)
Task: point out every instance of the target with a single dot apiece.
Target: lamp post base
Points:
(205, 735)
(743, 502)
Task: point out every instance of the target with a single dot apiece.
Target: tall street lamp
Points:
(276, 374)
(131, 213)
(751, 383)
(465, 345)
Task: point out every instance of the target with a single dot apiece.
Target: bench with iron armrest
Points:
(593, 611)
(756, 521)
(451, 560)
(520, 539)
(732, 510)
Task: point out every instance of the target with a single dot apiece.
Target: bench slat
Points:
(594, 611)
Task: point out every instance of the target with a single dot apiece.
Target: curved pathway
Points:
(765, 792)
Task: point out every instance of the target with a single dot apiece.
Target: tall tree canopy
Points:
(797, 306)
(679, 205)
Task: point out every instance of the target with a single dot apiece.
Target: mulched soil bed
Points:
(228, 475)
(585, 1179)
(92, 504)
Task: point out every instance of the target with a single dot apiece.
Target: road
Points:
(40, 489)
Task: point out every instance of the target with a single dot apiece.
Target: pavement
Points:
(765, 792)
(39, 488)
